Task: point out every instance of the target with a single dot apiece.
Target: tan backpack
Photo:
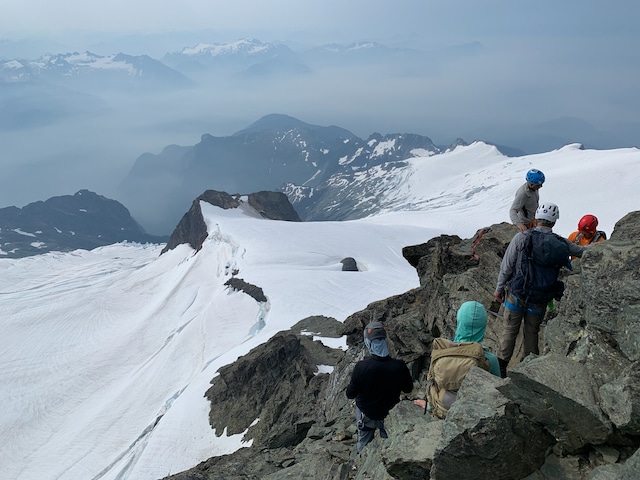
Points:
(450, 362)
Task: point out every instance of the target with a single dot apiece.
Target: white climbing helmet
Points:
(548, 212)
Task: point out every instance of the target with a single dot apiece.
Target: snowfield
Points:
(105, 355)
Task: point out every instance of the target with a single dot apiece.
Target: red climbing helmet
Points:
(588, 224)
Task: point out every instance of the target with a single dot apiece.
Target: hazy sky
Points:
(331, 20)
(539, 63)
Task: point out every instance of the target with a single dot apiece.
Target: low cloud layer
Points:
(527, 76)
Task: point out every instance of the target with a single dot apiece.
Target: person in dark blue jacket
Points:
(528, 280)
(376, 384)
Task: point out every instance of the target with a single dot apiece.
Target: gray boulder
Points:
(349, 264)
(278, 383)
(411, 447)
(558, 393)
(485, 432)
(273, 205)
(618, 471)
(620, 400)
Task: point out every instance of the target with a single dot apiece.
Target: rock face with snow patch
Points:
(192, 229)
(276, 382)
(570, 412)
(273, 205)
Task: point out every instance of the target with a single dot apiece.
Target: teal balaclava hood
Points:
(472, 322)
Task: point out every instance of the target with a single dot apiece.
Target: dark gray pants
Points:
(515, 314)
(367, 429)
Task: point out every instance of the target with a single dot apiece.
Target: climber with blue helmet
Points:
(525, 203)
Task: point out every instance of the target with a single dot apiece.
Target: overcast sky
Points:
(326, 20)
(538, 63)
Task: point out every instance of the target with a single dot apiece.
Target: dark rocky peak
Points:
(272, 152)
(280, 123)
(458, 142)
(192, 228)
(570, 412)
(399, 146)
(85, 220)
(273, 205)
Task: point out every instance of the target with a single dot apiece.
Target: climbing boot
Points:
(503, 367)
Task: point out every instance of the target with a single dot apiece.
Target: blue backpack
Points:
(535, 280)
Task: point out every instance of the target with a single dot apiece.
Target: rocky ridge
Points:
(84, 220)
(193, 230)
(571, 412)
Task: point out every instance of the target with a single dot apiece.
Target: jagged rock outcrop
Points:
(273, 205)
(253, 291)
(278, 383)
(559, 394)
(485, 432)
(571, 412)
(192, 228)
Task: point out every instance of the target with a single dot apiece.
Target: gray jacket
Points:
(510, 258)
(524, 206)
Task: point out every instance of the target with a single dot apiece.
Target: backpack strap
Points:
(595, 239)
(577, 238)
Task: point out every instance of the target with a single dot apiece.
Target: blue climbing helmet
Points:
(535, 177)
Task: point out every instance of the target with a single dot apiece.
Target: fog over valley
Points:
(529, 79)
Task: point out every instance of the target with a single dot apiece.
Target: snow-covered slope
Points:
(105, 355)
(475, 184)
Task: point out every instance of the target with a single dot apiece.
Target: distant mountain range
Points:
(53, 87)
(90, 70)
(320, 169)
(84, 220)
(252, 58)
(327, 173)
(279, 153)
(242, 57)
(249, 58)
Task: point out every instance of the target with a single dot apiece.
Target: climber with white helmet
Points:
(528, 280)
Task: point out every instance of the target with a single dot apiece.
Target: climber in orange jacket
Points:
(587, 232)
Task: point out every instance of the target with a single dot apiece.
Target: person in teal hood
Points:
(472, 323)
